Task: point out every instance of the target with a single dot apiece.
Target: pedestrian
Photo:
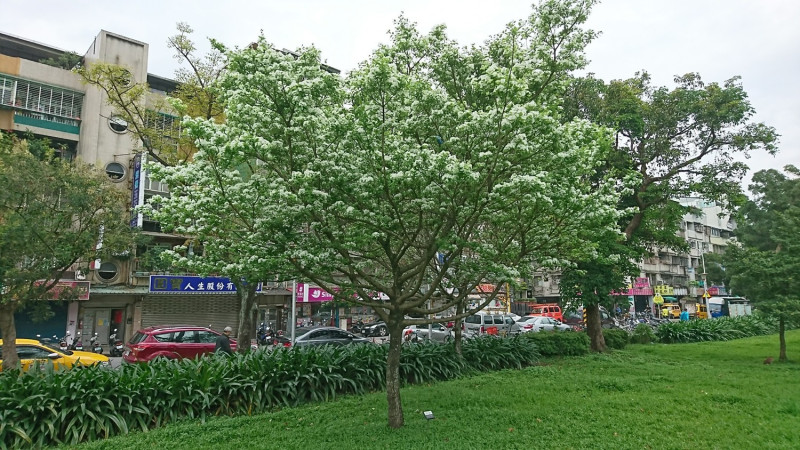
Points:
(665, 313)
(223, 344)
(684, 316)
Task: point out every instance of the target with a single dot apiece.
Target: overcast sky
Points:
(756, 39)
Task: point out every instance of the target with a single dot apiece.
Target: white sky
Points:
(756, 39)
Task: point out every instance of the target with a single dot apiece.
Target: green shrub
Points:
(721, 329)
(643, 334)
(616, 338)
(495, 353)
(47, 407)
(567, 343)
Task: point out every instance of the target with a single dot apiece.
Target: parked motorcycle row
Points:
(68, 342)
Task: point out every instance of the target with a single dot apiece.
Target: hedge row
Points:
(721, 329)
(47, 407)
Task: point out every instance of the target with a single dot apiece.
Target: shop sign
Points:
(664, 289)
(182, 284)
(80, 289)
(315, 294)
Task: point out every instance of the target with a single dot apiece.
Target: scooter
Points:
(116, 344)
(62, 343)
(77, 344)
(96, 346)
(264, 334)
(356, 329)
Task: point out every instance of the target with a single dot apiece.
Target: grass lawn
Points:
(682, 396)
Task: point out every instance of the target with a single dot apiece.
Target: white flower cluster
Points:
(426, 149)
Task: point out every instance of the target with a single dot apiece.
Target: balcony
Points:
(40, 105)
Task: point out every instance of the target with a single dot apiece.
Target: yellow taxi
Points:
(31, 351)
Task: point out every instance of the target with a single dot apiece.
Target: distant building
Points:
(669, 274)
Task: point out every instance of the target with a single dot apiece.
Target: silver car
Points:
(418, 333)
(543, 323)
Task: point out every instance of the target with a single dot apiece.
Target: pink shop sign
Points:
(315, 294)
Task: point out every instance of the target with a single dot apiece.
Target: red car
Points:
(171, 341)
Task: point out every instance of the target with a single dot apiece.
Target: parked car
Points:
(328, 336)
(575, 319)
(31, 351)
(375, 329)
(524, 326)
(171, 341)
(439, 333)
(542, 323)
(547, 310)
(483, 323)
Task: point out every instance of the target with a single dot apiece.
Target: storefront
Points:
(204, 301)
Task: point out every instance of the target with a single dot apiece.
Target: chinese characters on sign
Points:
(173, 284)
(66, 289)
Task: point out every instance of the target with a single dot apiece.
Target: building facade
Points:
(54, 103)
(667, 274)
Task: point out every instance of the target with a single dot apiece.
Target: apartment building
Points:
(128, 292)
(669, 274)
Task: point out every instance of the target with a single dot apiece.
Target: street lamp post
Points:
(705, 286)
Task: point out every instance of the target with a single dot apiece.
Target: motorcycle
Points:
(95, 345)
(264, 334)
(357, 327)
(116, 345)
(77, 343)
(62, 343)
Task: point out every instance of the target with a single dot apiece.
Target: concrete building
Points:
(670, 274)
(124, 293)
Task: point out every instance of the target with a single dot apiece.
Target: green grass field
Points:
(680, 396)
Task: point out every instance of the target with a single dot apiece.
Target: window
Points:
(42, 98)
(498, 320)
(206, 337)
(715, 232)
(473, 319)
(30, 352)
(118, 124)
(115, 171)
(107, 271)
(138, 337)
(154, 185)
(163, 337)
(7, 88)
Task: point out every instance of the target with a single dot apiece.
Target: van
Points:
(547, 310)
(482, 323)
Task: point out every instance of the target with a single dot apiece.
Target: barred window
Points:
(40, 97)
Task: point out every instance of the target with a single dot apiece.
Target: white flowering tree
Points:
(429, 169)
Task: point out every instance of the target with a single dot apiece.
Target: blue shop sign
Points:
(175, 284)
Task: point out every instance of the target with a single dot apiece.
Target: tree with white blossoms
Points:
(429, 169)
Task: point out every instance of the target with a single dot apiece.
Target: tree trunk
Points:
(459, 335)
(393, 373)
(9, 332)
(594, 328)
(782, 337)
(247, 302)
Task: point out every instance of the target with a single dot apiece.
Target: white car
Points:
(542, 323)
